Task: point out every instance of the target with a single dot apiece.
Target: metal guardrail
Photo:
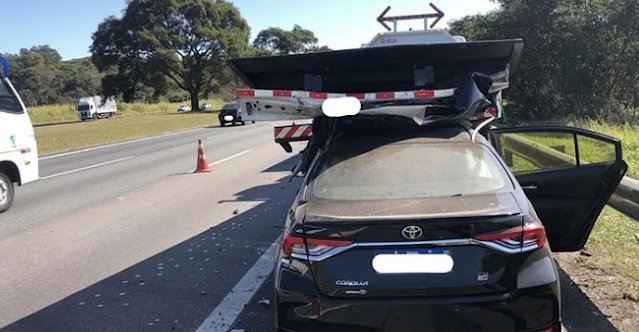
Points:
(625, 198)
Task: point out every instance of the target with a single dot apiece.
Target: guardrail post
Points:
(508, 158)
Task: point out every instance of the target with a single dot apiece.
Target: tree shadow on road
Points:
(176, 289)
(578, 312)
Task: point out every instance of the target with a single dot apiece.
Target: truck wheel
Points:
(95, 116)
(6, 192)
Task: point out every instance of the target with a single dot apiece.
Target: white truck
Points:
(93, 108)
(18, 148)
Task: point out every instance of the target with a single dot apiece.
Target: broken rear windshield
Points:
(407, 170)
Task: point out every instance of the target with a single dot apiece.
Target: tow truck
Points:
(412, 213)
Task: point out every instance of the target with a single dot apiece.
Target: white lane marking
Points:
(229, 158)
(216, 136)
(118, 143)
(225, 314)
(88, 167)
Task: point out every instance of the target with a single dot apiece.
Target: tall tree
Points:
(579, 57)
(187, 41)
(280, 41)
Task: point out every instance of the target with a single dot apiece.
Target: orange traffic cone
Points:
(202, 164)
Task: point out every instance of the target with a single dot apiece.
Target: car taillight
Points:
(239, 112)
(530, 235)
(295, 245)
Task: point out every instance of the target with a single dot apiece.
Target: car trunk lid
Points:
(429, 250)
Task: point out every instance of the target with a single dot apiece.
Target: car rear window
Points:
(407, 170)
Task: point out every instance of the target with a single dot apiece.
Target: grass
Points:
(53, 113)
(60, 138)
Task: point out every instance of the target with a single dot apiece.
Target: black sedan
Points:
(403, 228)
(231, 113)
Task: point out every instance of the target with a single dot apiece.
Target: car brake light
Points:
(239, 111)
(295, 245)
(532, 234)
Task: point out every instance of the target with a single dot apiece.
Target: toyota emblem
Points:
(412, 232)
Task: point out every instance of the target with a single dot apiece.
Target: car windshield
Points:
(408, 170)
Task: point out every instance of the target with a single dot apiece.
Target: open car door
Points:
(567, 173)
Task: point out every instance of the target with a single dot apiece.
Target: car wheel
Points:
(6, 192)
(243, 123)
(253, 122)
(222, 123)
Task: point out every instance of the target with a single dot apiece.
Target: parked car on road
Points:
(230, 113)
(206, 107)
(184, 108)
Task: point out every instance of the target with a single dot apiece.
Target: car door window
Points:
(8, 101)
(537, 151)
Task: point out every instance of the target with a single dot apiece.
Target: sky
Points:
(67, 25)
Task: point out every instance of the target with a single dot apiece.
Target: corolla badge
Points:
(351, 283)
(356, 292)
(412, 232)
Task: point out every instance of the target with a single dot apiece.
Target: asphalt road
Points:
(125, 238)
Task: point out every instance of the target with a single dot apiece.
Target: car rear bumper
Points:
(530, 310)
(235, 118)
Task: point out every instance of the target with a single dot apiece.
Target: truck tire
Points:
(95, 116)
(6, 192)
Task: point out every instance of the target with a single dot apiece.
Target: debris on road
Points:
(203, 292)
(631, 297)
(216, 272)
(264, 302)
(236, 211)
(586, 253)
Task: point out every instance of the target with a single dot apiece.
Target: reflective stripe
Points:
(391, 95)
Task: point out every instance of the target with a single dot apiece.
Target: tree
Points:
(187, 41)
(579, 57)
(279, 41)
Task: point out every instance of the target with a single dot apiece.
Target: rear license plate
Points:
(413, 261)
(228, 118)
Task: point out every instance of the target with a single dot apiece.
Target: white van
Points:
(92, 108)
(18, 149)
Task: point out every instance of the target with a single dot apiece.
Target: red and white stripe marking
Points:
(398, 95)
(293, 131)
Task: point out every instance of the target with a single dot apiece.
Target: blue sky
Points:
(67, 25)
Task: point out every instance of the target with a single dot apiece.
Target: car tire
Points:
(243, 123)
(222, 123)
(6, 192)
(253, 122)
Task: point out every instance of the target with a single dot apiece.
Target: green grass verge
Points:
(60, 138)
(53, 113)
